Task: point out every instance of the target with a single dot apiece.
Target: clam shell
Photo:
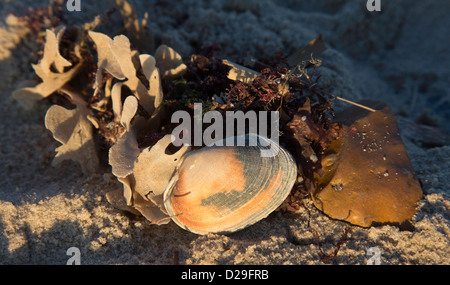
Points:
(224, 189)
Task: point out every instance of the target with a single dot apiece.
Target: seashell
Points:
(222, 189)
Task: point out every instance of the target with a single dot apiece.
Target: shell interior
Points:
(224, 189)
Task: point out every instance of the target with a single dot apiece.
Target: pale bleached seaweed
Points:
(73, 128)
(144, 173)
(51, 81)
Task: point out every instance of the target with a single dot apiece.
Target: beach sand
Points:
(400, 55)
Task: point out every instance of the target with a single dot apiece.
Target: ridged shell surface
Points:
(224, 189)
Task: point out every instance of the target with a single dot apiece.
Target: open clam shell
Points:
(224, 189)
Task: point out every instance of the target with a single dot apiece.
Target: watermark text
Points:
(236, 124)
(73, 5)
(75, 254)
(373, 5)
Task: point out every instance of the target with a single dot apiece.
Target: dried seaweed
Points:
(137, 31)
(116, 58)
(313, 48)
(169, 62)
(51, 80)
(125, 151)
(75, 131)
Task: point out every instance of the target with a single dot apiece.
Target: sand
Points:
(399, 55)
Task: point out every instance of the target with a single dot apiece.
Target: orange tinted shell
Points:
(224, 189)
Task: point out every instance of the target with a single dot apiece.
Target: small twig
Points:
(354, 103)
(347, 101)
(259, 62)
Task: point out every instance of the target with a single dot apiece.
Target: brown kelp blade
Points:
(373, 180)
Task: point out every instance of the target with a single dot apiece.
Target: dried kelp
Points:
(116, 58)
(50, 69)
(122, 100)
(138, 32)
(73, 128)
(169, 62)
(369, 178)
(120, 67)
